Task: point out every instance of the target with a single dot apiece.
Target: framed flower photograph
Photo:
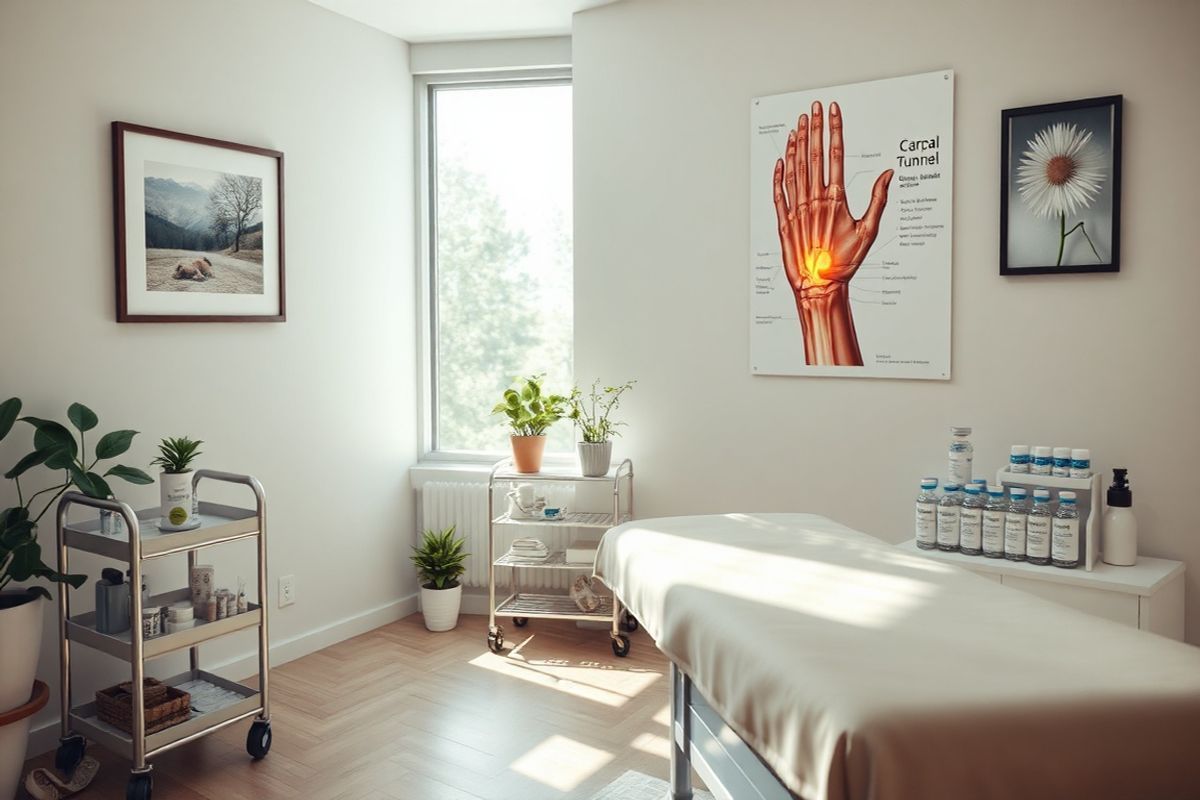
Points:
(1060, 187)
(198, 228)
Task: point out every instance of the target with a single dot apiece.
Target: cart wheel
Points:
(629, 622)
(496, 641)
(70, 752)
(258, 740)
(140, 786)
(520, 622)
(620, 645)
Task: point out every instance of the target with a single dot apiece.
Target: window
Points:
(500, 253)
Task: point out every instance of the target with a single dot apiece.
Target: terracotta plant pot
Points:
(527, 453)
(440, 607)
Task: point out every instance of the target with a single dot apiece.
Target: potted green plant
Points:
(592, 415)
(55, 447)
(530, 411)
(179, 507)
(439, 560)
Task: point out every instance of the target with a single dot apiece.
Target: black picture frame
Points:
(1009, 118)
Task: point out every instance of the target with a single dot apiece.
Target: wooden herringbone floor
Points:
(403, 714)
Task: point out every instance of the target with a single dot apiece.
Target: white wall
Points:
(320, 408)
(661, 151)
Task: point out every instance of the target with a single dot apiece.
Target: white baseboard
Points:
(44, 738)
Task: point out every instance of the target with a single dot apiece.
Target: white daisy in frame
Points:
(1062, 172)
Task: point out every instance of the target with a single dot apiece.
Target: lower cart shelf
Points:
(215, 702)
(551, 606)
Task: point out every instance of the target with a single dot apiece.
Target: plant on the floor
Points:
(439, 558)
(530, 412)
(439, 561)
(592, 415)
(175, 456)
(56, 448)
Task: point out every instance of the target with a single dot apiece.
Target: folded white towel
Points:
(528, 550)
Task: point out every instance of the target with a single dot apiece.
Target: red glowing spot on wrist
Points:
(817, 262)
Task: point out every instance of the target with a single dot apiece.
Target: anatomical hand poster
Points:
(851, 192)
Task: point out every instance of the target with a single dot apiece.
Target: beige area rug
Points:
(637, 786)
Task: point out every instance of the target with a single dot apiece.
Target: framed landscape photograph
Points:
(1060, 187)
(198, 228)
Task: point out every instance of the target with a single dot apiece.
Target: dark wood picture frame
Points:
(119, 129)
(1007, 116)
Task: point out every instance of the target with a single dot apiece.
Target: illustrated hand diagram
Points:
(823, 244)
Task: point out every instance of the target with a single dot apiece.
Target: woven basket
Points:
(164, 706)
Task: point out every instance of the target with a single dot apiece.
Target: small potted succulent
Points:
(55, 447)
(179, 509)
(593, 417)
(530, 411)
(439, 560)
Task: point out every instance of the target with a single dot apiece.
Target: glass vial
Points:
(1018, 458)
(927, 514)
(1061, 467)
(1015, 518)
(993, 522)
(1081, 463)
(1037, 528)
(1064, 547)
(962, 453)
(970, 525)
(1042, 462)
(949, 508)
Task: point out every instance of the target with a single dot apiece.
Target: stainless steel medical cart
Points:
(139, 543)
(524, 606)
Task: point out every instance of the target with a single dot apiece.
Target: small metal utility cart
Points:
(524, 606)
(141, 542)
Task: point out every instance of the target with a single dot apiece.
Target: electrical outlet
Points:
(287, 590)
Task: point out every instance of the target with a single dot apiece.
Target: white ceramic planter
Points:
(14, 736)
(440, 607)
(178, 506)
(20, 643)
(595, 458)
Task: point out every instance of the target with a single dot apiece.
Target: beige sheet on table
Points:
(860, 672)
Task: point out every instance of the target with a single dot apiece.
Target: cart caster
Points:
(258, 740)
(71, 750)
(520, 622)
(496, 641)
(140, 786)
(620, 645)
(629, 622)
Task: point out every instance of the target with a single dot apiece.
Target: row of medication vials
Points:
(1061, 462)
(979, 520)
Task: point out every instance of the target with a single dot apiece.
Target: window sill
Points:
(471, 467)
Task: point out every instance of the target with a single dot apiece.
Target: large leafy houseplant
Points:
(530, 412)
(439, 560)
(55, 447)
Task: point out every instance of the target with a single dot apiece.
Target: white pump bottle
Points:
(1118, 541)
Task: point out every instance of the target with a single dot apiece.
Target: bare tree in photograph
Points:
(234, 200)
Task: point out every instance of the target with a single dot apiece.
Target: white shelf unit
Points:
(1149, 595)
(523, 606)
(1088, 495)
(141, 542)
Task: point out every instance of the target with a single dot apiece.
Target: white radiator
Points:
(464, 505)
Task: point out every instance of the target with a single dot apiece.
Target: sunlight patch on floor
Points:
(653, 744)
(595, 681)
(561, 763)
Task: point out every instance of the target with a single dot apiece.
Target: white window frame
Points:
(426, 203)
